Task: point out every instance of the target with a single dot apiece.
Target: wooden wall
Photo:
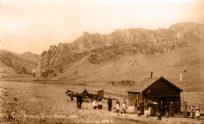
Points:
(134, 98)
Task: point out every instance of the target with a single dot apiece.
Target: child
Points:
(124, 106)
(146, 113)
(100, 104)
(117, 106)
(197, 113)
(95, 104)
(192, 112)
(158, 115)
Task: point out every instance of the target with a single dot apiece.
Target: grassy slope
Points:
(137, 67)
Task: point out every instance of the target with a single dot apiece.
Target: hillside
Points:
(187, 61)
(129, 54)
(13, 63)
(31, 56)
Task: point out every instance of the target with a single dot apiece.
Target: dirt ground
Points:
(26, 102)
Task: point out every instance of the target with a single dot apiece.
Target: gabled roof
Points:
(146, 82)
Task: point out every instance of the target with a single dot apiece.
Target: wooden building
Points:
(101, 93)
(156, 89)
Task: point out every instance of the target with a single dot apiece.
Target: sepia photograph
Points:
(101, 61)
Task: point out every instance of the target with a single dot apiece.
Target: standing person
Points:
(95, 104)
(71, 96)
(117, 106)
(100, 106)
(150, 107)
(158, 115)
(145, 104)
(197, 113)
(146, 108)
(135, 105)
(185, 114)
(171, 109)
(124, 106)
(141, 108)
(109, 103)
(192, 112)
(162, 108)
(78, 99)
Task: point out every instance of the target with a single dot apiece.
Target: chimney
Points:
(151, 74)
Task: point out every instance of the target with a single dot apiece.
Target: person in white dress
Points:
(95, 104)
(197, 112)
(117, 106)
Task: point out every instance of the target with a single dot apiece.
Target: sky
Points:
(34, 25)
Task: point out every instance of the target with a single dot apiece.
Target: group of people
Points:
(144, 107)
(119, 108)
(148, 107)
(194, 111)
(97, 103)
(168, 110)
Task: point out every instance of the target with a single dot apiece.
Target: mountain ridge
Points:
(101, 48)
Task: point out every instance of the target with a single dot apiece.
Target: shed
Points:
(156, 89)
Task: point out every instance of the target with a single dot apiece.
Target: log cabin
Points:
(156, 89)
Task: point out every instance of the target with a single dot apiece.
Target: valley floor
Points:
(27, 102)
